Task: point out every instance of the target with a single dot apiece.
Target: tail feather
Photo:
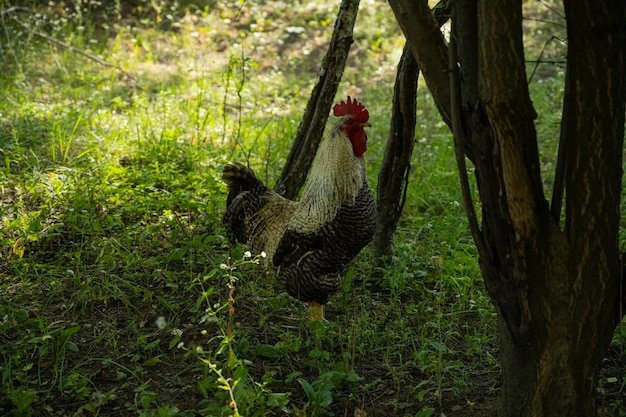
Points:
(239, 178)
(244, 189)
(255, 215)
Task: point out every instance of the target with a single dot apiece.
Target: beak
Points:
(366, 124)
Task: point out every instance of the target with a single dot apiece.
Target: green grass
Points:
(119, 294)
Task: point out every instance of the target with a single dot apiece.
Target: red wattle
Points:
(359, 142)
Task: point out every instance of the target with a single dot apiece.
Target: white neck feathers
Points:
(335, 179)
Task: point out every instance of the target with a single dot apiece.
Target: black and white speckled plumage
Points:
(310, 266)
(308, 243)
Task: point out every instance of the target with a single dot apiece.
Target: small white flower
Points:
(263, 254)
(161, 322)
(223, 266)
(180, 345)
(247, 254)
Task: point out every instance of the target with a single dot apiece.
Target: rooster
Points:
(309, 243)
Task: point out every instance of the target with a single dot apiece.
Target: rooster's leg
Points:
(315, 311)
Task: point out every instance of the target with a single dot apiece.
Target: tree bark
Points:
(557, 291)
(393, 175)
(422, 32)
(313, 121)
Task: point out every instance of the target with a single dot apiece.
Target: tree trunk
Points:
(393, 177)
(313, 121)
(394, 171)
(557, 291)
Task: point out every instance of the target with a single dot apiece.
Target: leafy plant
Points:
(227, 372)
(320, 392)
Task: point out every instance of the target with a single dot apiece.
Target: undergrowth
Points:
(119, 294)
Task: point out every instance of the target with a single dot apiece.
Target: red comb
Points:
(353, 108)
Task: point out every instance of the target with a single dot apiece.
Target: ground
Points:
(119, 293)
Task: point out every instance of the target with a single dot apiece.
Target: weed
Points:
(226, 371)
(320, 392)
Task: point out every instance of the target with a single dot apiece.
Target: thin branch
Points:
(58, 42)
(558, 190)
(531, 19)
(554, 10)
(16, 9)
(539, 61)
(460, 139)
(551, 62)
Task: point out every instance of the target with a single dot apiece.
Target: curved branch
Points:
(421, 30)
(58, 42)
(460, 140)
